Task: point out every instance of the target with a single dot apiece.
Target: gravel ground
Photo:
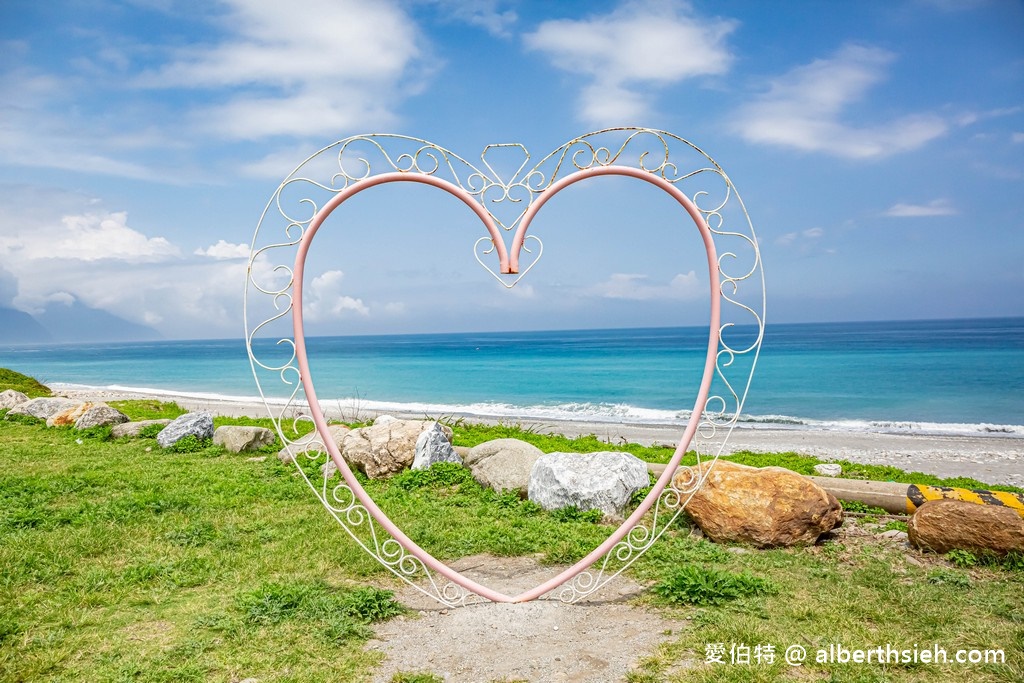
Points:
(545, 641)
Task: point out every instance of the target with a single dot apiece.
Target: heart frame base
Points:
(274, 297)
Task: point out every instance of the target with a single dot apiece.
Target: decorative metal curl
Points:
(301, 195)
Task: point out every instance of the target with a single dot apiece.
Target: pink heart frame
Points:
(348, 502)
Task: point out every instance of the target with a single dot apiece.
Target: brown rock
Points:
(69, 416)
(99, 415)
(943, 525)
(763, 507)
(311, 442)
(384, 449)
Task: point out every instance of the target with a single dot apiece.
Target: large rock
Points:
(238, 438)
(503, 464)
(764, 507)
(199, 425)
(100, 415)
(132, 429)
(381, 450)
(44, 408)
(69, 416)
(602, 481)
(943, 525)
(433, 446)
(11, 398)
(312, 443)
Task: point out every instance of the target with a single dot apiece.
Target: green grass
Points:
(9, 379)
(121, 564)
(148, 409)
(697, 585)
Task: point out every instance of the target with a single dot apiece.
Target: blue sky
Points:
(878, 145)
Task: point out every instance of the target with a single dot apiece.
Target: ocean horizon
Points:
(926, 376)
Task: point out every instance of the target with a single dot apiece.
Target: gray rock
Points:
(238, 438)
(44, 408)
(9, 398)
(895, 535)
(503, 464)
(433, 446)
(381, 450)
(602, 481)
(132, 429)
(828, 469)
(199, 425)
(99, 415)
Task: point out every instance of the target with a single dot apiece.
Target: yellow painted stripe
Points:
(1010, 500)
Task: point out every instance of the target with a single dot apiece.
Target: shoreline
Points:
(995, 458)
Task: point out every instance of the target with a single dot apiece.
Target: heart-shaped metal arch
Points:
(509, 261)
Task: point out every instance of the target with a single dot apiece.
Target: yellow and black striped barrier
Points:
(918, 495)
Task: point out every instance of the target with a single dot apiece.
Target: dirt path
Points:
(596, 641)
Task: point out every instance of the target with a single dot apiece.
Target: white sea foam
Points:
(590, 412)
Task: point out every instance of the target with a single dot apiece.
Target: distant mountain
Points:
(78, 322)
(18, 327)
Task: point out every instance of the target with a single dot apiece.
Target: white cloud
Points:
(63, 247)
(937, 207)
(323, 299)
(803, 108)
(277, 164)
(1017, 138)
(224, 250)
(637, 287)
(88, 237)
(30, 135)
(310, 69)
(807, 235)
(325, 67)
(487, 14)
(639, 47)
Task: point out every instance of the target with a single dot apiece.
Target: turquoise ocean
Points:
(945, 377)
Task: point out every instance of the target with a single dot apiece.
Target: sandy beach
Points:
(995, 459)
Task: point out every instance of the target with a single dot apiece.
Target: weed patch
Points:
(405, 677)
(571, 513)
(191, 444)
(336, 614)
(696, 585)
(20, 418)
(150, 431)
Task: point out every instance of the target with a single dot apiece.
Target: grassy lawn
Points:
(122, 562)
